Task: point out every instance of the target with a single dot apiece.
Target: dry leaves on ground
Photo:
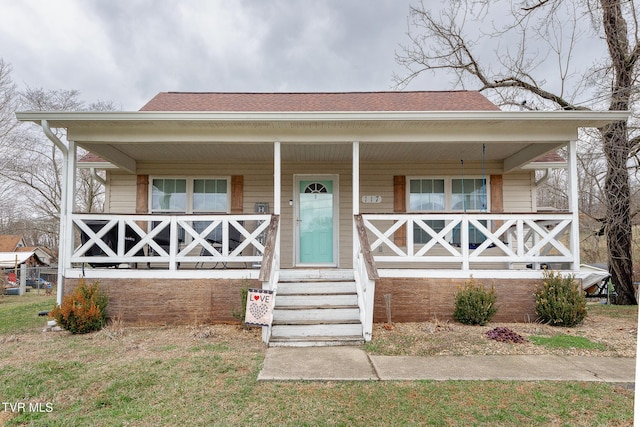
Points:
(453, 338)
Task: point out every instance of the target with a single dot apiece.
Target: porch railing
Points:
(365, 274)
(270, 269)
(106, 240)
(471, 240)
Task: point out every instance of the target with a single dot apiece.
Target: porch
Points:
(194, 257)
(234, 246)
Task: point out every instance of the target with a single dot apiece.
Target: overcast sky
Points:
(126, 51)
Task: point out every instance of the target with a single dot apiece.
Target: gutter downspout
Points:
(62, 241)
(544, 177)
(98, 178)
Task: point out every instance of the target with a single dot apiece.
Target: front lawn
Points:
(206, 375)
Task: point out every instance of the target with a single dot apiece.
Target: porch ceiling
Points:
(513, 137)
(313, 152)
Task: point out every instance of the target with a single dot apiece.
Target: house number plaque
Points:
(371, 199)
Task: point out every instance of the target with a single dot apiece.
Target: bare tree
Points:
(32, 165)
(8, 102)
(11, 197)
(543, 35)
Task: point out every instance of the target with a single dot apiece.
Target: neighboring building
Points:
(14, 252)
(333, 200)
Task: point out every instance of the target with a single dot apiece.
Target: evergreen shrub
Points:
(474, 304)
(560, 301)
(84, 311)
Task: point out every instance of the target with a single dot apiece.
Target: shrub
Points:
(240, 314)
(475, 305)
(560, 302)
(83, 311)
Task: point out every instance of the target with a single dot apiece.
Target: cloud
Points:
(126, 52)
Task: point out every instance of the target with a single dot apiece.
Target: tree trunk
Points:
(617, 149)
(618, 225)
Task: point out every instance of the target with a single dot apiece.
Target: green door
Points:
(315, 225)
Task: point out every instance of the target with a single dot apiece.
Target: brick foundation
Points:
(163, 301)
(424, 299)
(189, 301)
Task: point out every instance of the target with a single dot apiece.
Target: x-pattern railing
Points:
(471, 237)
(174, 239)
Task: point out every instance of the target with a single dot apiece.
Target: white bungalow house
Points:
(331, 200)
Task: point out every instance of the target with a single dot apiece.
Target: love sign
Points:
(259, 310)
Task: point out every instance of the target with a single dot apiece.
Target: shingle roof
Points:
(89, 157)
(9, 242)
(320, 101)
(553, 157)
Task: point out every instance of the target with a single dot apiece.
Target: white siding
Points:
(519, 192)
(120, 194)
(376, 179)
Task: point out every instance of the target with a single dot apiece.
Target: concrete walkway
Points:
(354, 364)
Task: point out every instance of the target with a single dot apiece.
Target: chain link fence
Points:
(41, 279)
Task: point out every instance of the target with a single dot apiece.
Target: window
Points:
(210, 195)
(426, 195)
(447, 194)
(468, 195)
(189, 195)
(169, 195)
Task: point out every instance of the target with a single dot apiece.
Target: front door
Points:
(316, 228)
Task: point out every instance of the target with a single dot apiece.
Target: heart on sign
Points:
(258, 310)
(256, 297)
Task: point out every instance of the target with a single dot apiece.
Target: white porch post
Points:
(356, 178)
(355, 191)
(572, 189)
(276, 177)
(277, 189)
(65, 244)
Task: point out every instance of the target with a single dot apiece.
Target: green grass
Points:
(629, 312)
(20, 313)
(221, 389)
(566, 341)
(165, 376)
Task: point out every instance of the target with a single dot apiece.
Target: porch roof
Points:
(321, 101)
(516, 138)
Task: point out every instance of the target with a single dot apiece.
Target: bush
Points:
(474, 304)
(240, 314)
(560, 301)
(83, 311)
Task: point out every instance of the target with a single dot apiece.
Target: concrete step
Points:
(316, 301)
(322, 331)
(315, 275)
(315, 288)
(316, 342)
(316, 308)
(314, 316)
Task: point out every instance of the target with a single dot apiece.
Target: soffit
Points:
(128, 138)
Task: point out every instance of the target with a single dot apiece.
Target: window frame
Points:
(448, 193)
(189, 194)
(448, 201)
